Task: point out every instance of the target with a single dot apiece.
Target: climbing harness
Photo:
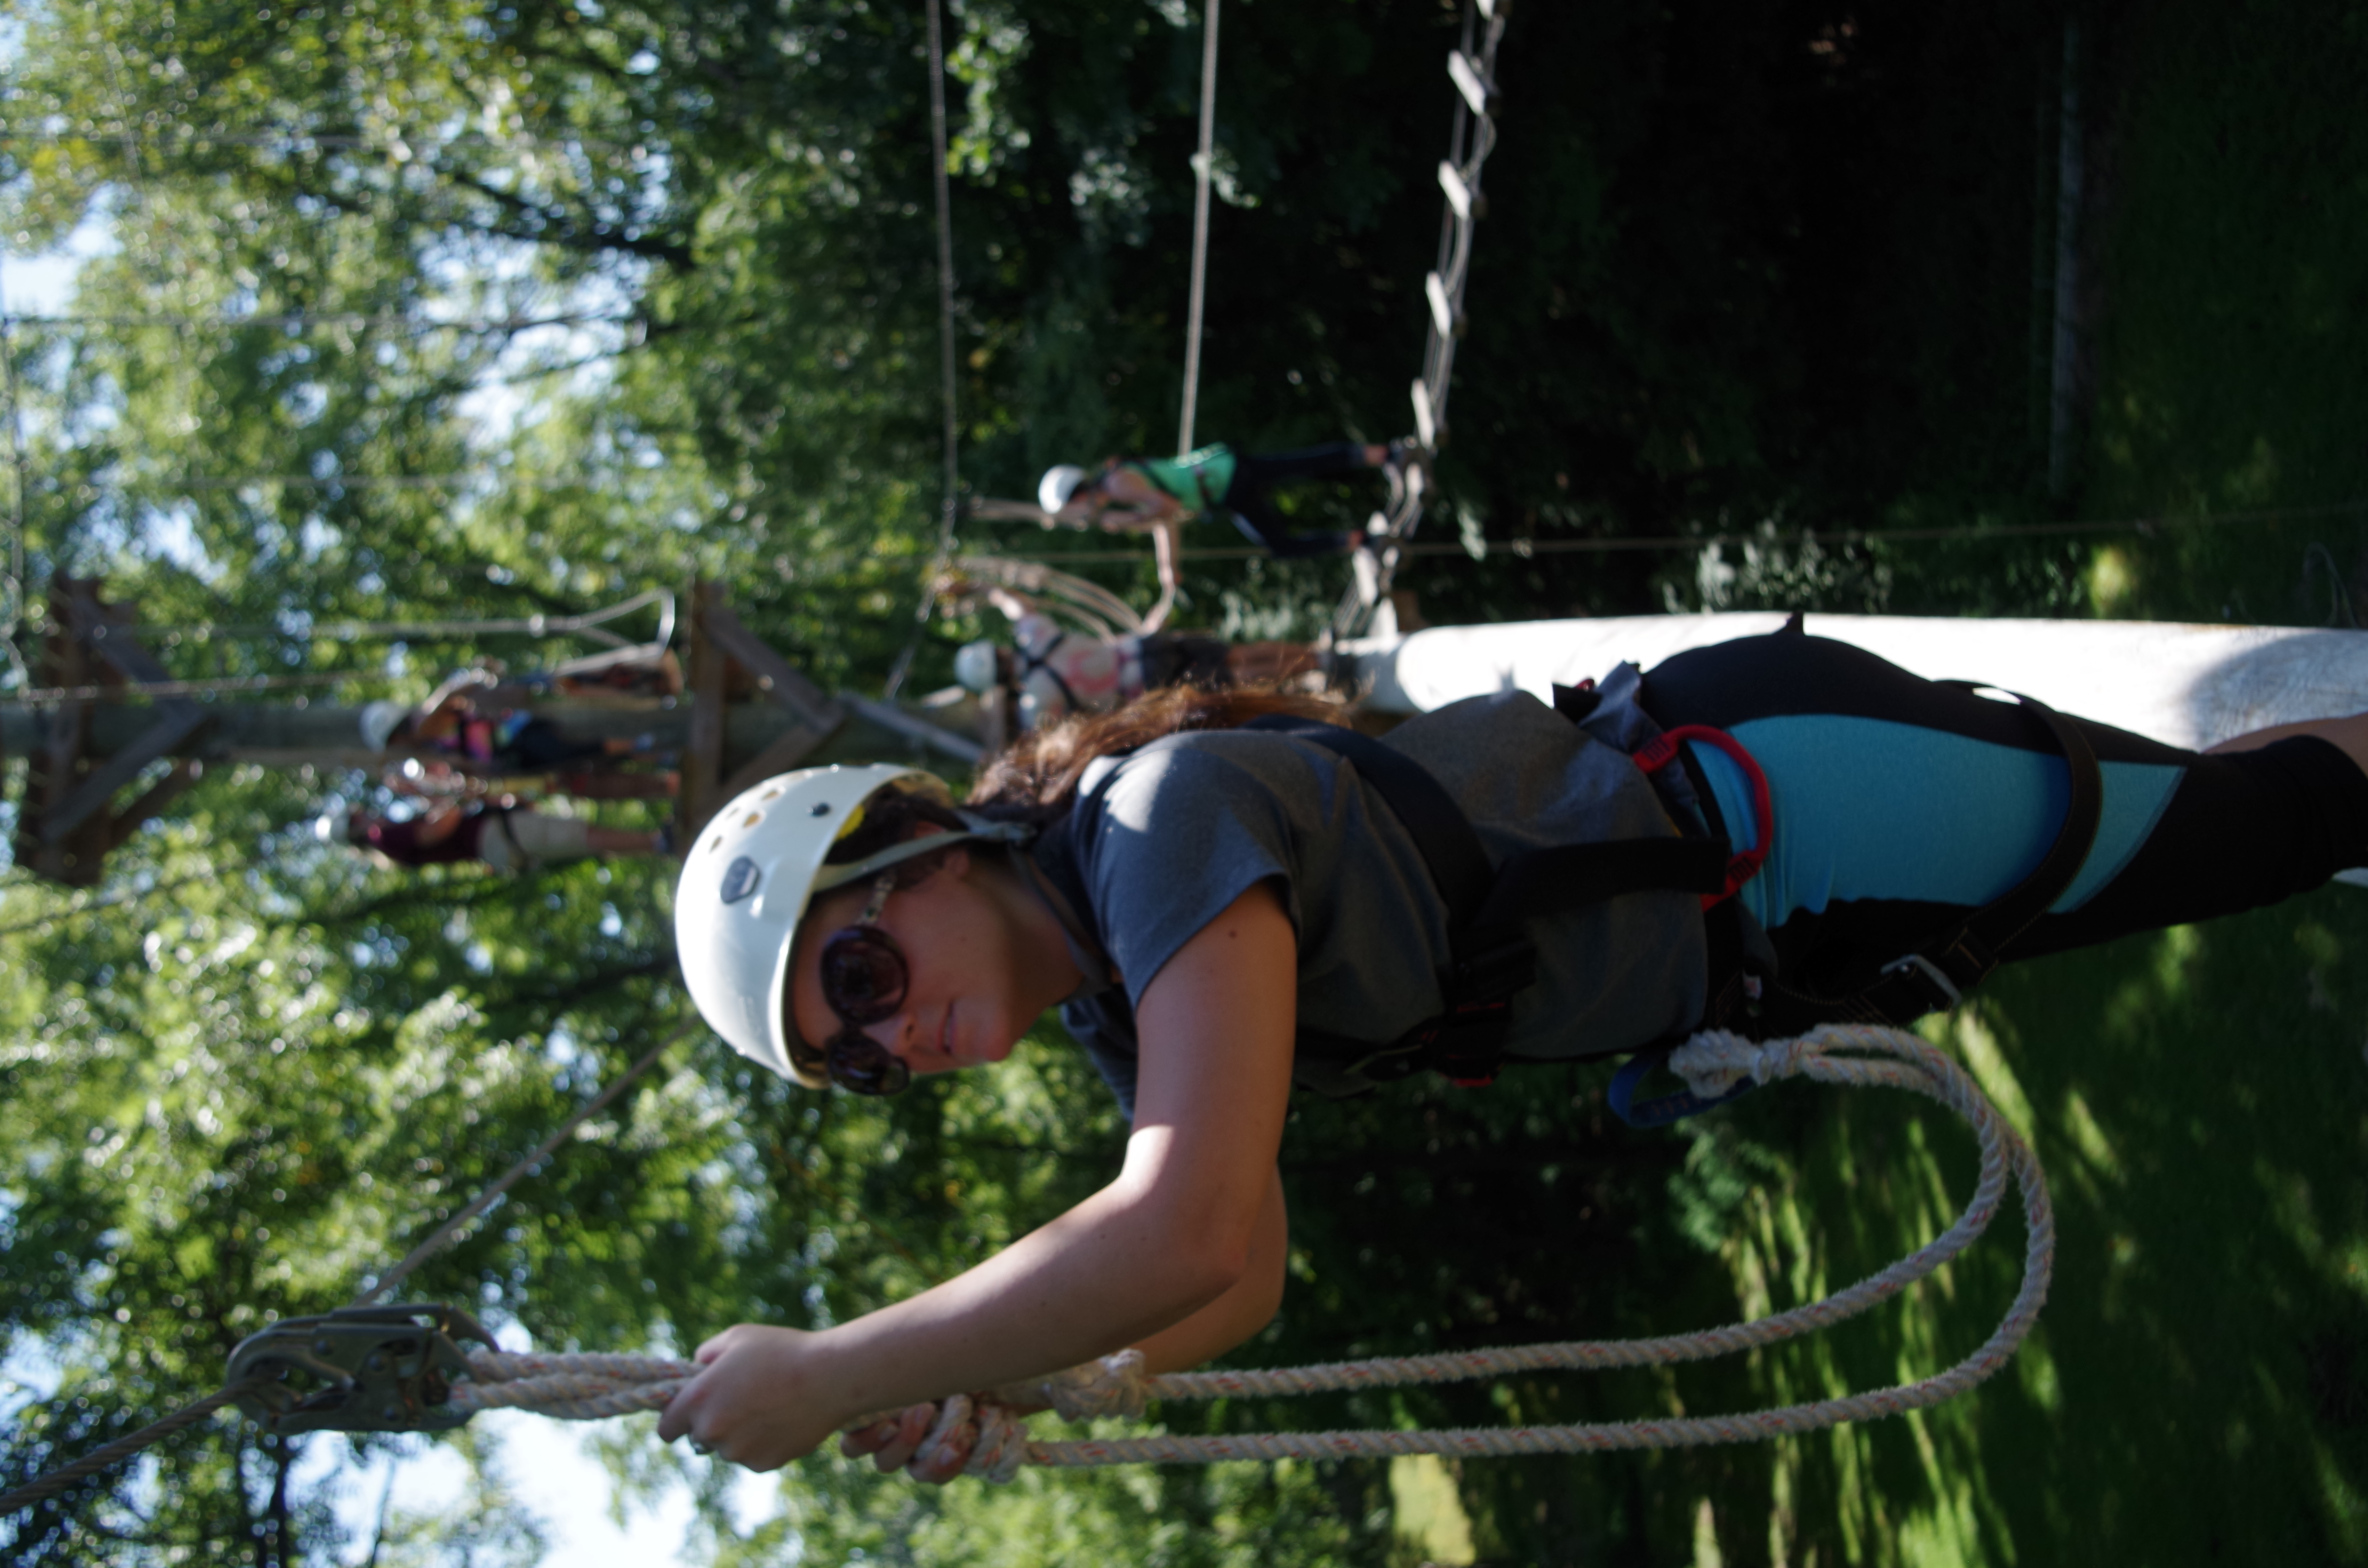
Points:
(1491, 957)
(402, 1368)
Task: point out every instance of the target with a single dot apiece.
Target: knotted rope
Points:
(586, 1387)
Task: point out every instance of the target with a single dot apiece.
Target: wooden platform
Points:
(727, 659)
(66, 823)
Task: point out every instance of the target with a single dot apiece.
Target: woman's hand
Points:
(892, 1444)
(758, 1403)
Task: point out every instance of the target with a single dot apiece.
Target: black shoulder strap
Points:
(1459, 864)
(1538, 882)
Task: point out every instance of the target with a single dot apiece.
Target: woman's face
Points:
(962, 1006)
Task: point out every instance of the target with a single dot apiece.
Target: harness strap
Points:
(1491, 957)
(1935, 975)
(1036, 662)
(1663, 750)
(1452, 852)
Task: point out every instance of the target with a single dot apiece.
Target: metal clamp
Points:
(1932, 974)
(372, 1370)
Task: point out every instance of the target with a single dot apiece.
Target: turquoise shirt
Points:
(1198, 479)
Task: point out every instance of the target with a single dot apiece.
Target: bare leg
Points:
(2348, 736)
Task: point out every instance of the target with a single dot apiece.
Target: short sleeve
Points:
(1184, 831)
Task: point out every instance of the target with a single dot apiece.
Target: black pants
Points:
(1254, 513)
(2242, 830)
(539, 747)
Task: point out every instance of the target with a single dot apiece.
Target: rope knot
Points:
(1115, 1385)
(1714, 1062)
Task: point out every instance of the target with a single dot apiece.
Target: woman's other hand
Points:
(758, 1403)
(904, 1441)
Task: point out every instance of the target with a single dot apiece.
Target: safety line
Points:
(1969, 533)
(19, 482)
(484, 1200)
(302, 140)
(42, 695)
(129, 896)
(982, 1435)
(1202, 168)
(349, 631)
(298, 321)
(949, 503)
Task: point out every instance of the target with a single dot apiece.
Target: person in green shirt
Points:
(1157, 493)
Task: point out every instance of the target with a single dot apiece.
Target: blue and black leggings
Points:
(1902, 805)
(1255, 515)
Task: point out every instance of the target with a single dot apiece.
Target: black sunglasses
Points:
(863, 980)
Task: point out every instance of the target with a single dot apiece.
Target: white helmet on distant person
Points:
(1060, 483)
(746, 882)
(381, 720)
(976, 666)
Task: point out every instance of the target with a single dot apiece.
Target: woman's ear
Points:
(957, 859)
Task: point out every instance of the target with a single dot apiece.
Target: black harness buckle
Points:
(369, 1369)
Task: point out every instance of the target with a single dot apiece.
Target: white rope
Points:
(1203, 164)
(950, 492)
(586, 1387)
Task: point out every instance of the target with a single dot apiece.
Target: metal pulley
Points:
(388, 1369)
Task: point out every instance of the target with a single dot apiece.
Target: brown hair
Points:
(1039, 774)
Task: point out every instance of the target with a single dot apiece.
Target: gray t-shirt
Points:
(1188, 826)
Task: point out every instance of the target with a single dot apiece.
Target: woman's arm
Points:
(1172, 1237)
(1129, 502)
(1240, 1311)
(1166, 539)
(442, 821)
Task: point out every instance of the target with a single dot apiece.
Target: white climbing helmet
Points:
(746, 882)
(975, 665)
(1060, 483)
(378, 721)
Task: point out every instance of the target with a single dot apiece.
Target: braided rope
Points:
(586, 1387)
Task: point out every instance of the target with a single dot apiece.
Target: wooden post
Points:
(64, 829)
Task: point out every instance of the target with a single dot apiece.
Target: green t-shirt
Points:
(1198, 479)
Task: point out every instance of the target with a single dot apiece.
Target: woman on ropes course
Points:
(1223, 894)
(1055, 671)
(513, 837)
(1146, 495)
(496, 739)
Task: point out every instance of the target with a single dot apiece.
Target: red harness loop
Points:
(1744, 866)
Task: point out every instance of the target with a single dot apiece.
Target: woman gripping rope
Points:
(1219, 909)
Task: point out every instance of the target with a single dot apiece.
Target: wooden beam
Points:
(711, 684)
(961, 748)
(175, 722)
(153, 801)
(779, 757)
(776, 676)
